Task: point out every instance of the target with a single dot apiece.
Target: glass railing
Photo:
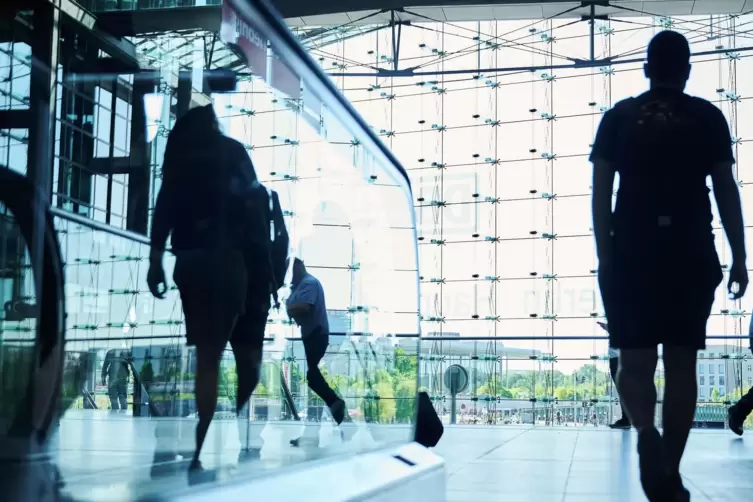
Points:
(376, 378)
(130, 382)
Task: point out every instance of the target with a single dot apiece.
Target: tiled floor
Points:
(115, 457)
(98, 452)
(583, 465)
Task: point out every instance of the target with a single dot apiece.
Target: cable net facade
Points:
(499, 167)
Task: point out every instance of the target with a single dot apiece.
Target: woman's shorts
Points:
(213, 285)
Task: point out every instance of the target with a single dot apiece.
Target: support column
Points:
(139, 179)
(44, 51)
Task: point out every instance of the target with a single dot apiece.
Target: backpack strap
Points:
(272, 235)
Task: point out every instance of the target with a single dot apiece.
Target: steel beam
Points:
(43, 95)
(133, 23)
(581, 64)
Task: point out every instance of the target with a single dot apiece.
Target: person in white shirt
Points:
(614, 364)
(738, 412)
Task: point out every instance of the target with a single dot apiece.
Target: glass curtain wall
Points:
(501, 181)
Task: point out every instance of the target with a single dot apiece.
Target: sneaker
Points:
(338, 411)
(621, 424)
(654, 476)
(735, 420)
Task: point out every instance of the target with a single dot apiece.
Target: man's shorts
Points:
(220, 304)
(659, 300)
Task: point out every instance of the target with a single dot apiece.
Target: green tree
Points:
(519, 380)
(228, 384)
(590, 373)
(563, 393)
(405, 364)
(405, 394)
(715, 395)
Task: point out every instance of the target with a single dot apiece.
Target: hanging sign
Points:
(238, 31)
(283, 79)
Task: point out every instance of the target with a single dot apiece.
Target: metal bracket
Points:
(397, 28)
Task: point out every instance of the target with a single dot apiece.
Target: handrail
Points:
(99, 226)
(137, 381)
(284, 43)
(89, 398)
(288, 396)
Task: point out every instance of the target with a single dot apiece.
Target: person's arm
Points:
(163, 219)
(303, 300)
(281, 232)
(603, 159)
(106, 366)
(726, 191)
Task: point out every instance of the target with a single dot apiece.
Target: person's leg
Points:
(738, 413)
(247, 342)
(212, 290)
(248, 360)
(624, 421)
(316, 346)
(206, 389)
(123, 395)
(112, 393)
(679, 401)
(635, 383)
(208, 329)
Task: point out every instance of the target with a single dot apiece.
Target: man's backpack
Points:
(266, 238)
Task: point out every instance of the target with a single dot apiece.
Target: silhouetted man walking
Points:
(658, 267)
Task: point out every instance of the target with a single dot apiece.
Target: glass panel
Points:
(521, 268)
(348, 212)
(18, 322)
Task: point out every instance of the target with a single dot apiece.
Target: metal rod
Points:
(592, 22)
(422, 339)
(394, 40)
